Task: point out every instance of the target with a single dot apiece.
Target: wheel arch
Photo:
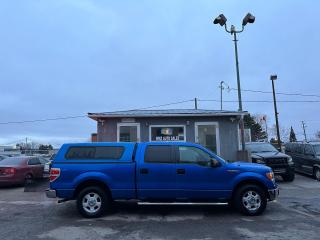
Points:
(92, 182)
(250, 181)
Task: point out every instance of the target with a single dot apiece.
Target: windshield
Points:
(12, 161)
(261, 147)
(317, 149)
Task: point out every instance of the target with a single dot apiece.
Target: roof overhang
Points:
(96, 116)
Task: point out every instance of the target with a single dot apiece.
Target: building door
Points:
(207, 134)
(128, 132)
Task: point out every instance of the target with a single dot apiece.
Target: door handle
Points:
(144, 171)
(181, 171)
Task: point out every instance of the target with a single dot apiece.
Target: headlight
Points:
(290, 161)
(270, 176)
(260, 160)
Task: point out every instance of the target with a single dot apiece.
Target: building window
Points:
(128, 132)
(167, 133)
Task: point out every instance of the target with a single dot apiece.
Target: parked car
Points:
(265, 153)
(306, 157)
(20, 170)
(2, 157)
(95, 174)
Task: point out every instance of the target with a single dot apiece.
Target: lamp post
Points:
(222, 20)
(273, 78)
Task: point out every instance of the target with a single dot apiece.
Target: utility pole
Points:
(304, 130)
(234, 32)
(273, 78)
(195, 103)
(221, 89)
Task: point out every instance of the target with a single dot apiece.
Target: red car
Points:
(20, 170)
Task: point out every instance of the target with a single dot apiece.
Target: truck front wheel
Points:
(250, 200)
(92, 202)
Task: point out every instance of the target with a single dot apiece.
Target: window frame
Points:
(168, 126)
(177, 155)
(311, 147)
(35, 158)
(133, 124)
(172, 154)
(216, 124)
(95, 148)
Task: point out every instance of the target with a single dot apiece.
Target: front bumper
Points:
(273, 194)
(51, 193)
(279, 170)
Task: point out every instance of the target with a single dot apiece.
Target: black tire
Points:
(28, 179)
(243, 206)
(289, 177)
(316, 173)
(92, 202)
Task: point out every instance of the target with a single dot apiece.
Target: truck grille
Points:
(276, 161)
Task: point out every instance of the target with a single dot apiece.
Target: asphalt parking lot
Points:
(28, 214)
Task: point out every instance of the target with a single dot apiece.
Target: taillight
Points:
(9, 171)
(54, 174)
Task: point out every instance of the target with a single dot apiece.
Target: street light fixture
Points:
(249, 18)
(222, 21)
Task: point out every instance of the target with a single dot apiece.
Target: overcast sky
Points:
(69, 57)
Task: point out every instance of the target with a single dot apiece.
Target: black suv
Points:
(306, 157)
(265, 153)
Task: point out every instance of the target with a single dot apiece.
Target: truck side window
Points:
(188, 154)
(100, 152)
(158, 154)
(109, 152)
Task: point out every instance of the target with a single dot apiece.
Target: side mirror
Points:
(214, 163)
(204, 163)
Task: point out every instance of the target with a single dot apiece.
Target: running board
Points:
(183, 203)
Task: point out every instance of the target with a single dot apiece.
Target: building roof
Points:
(166, 113)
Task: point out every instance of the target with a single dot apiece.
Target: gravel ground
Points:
(28, 214)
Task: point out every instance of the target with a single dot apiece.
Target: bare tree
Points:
(284, 132)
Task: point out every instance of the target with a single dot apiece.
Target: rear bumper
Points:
(12, 180)
(273, 194)
(51, 193)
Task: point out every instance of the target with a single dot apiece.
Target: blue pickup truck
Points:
(96, 174)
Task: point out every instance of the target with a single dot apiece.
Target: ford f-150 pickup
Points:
(96, 174)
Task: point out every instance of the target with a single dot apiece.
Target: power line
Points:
(82, 116)
(42, 120)
(278, 93)
(163, 105)
(262, 101)
(155, 106)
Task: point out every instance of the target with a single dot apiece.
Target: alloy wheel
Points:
(251, 200)
(91, 202)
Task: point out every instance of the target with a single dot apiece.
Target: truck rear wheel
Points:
(250, 200)
(92, 202)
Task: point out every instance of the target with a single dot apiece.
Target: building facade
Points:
(216, 130)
